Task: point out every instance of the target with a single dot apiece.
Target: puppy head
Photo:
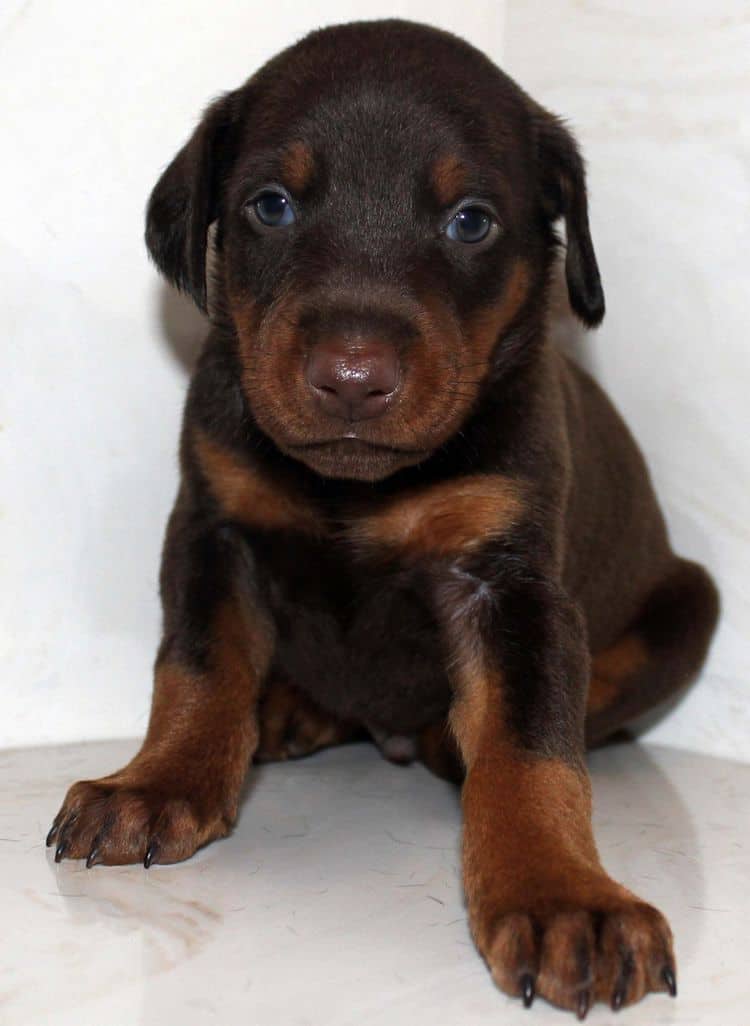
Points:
(384, 199)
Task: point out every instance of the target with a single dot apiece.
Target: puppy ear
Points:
(563, 185)
(184, 201)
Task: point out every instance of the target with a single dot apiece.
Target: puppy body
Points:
(401, 510)
(360, 635)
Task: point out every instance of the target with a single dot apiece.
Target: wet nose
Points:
(353, 381)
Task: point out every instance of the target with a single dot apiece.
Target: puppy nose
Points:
(353, 381)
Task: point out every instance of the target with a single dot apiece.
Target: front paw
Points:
(126, 818)
(574, 953)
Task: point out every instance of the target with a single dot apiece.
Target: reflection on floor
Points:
(337, 899)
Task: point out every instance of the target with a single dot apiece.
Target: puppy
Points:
(401, 511)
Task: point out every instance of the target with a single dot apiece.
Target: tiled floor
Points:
(337, 900)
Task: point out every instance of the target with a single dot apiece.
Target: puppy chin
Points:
(354, 460)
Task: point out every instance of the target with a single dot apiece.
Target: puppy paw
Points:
(576, 955)
(122, 819)
(292, 725)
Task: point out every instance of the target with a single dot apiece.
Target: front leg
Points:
(182, 788)
(544, 913)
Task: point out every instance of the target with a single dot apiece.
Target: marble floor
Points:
(337, 899)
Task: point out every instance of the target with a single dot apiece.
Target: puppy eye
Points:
(273, 209)
(470, 224)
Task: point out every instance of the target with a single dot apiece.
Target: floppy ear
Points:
(563, 185)
(184, 201)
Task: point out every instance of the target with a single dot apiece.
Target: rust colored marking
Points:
(476, 710)
(447, 519)
(532, 875)
(477, 716)
(297, 166)
(245, 315)
(602, 694)
(221, 702)
(527, 835)
(613, 668)
(487, 324)
(623, 659)
(448, 179)
(182, 788)
(517, 805)
(524, 815)
(247, 496)
(292, 725)
(438, 750)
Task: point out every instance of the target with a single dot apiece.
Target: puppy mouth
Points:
(346, 456)
(352, 443)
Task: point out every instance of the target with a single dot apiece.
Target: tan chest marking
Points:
(250, 497)
(444, 520)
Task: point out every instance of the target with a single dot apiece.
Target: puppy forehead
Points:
(382, 141)
(380, 113)
(407, 79)
(356, 117)
(383, 57)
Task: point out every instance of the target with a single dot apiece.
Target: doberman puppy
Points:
(401, 511)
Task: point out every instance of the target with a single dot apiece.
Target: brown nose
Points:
(353, 381)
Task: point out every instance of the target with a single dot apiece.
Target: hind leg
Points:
(657, 656)
(292, 725)
(438, 751)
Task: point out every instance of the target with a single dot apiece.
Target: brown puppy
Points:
(402, 511)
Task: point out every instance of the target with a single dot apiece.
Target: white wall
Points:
(98, 97)
(658, 95)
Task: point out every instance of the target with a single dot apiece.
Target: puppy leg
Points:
(182, 789)
(544, 913)
(293, 725)
(659, 654)
(438, 750)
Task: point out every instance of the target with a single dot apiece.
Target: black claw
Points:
(60, 850)
(667, 974)
(51, 835)
(583, 1004)
(621, 987)
(93, 857)
(527, 990)
(151, 852)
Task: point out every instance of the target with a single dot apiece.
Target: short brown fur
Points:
(489, 322)
(612, 668)
(536, 891)
(448, 179)
(442, 520)
(247, 496)
(298, 166)
(182, 789)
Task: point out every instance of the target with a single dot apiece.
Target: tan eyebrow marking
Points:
(448, 178)
(297, 166)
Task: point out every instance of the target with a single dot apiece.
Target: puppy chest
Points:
(363, 644)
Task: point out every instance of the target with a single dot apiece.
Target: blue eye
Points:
(470, 224)
(273, 209)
